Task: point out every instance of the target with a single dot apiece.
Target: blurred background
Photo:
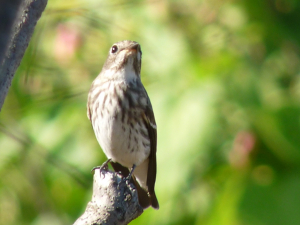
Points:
(223, 78)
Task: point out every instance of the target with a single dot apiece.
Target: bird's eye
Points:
(114, 49)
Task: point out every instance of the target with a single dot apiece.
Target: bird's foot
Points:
(103, 167)
(131, 172)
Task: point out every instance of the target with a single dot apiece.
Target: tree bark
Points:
(115, 201)
(8, 13)
(20, 18)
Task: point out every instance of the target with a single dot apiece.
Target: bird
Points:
(123, 120)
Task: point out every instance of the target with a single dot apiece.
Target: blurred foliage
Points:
(223, 78)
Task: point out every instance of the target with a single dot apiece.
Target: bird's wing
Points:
(149, 120)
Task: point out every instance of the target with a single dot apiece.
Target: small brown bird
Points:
(123, 120)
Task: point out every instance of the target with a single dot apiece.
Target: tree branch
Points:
(20, 33)
(114, 201)
(8, 14)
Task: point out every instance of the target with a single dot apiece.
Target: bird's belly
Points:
(123, 141)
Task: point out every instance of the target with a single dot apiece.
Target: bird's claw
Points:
(102, 168)
(131, 172)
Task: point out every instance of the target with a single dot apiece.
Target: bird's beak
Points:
(134, 47)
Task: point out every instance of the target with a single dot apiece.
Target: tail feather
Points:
(154, 202)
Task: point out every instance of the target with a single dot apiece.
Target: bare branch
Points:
(26, 18)
(114, 201)
(8, 14)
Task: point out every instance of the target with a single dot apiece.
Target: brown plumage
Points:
(123, 119)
